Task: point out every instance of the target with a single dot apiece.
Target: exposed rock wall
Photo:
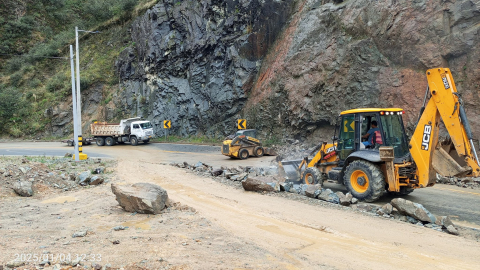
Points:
(338, 55)
(290, 67)
(194, 62)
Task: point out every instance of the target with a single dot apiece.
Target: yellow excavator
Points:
(385, 161)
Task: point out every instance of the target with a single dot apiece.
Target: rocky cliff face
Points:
(338, 55)
(290, 67)
(194, 62)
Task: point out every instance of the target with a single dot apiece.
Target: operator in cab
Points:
(373, 135)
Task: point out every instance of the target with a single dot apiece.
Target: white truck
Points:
(130, 130)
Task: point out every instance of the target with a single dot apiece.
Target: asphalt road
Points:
(462, 204)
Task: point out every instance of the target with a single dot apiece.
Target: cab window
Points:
(346, 140)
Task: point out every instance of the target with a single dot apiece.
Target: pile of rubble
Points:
(237, 174)
(267, 180)
(27, 176)
(466, 182)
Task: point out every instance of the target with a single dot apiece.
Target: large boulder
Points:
(261, 183)
(23, 188)
(414, 210)
(142, 198)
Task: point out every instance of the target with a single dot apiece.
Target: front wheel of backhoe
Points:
(364, 180)
(312, 176)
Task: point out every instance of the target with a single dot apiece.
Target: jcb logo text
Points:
(427, 131)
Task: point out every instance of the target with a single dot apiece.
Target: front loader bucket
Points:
(269, 151)
(292, 172)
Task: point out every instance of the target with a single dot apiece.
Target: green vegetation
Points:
(31, 84)
(189, 139)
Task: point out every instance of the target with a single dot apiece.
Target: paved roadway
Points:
(460, 203)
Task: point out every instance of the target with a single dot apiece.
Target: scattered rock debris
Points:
(268, 180)
(38, 176)
(466, 182)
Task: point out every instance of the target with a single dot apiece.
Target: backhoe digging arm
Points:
(446, 103)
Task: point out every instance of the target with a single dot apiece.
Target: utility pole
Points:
(79, 104)
(74, 101)
(78, 136)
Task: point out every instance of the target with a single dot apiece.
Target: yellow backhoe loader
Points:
(386, 161)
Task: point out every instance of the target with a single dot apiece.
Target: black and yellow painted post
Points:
(81, 155)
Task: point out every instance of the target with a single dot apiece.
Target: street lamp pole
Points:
(74, 101)
(78, 137)
(79, 102)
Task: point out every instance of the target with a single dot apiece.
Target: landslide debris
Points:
(267, 181)
(39, 176)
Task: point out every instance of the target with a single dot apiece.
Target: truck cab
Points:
(143, 130)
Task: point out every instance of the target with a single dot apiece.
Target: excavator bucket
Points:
(292, 169)
(445, 165)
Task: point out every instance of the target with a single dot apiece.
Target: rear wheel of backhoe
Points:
(259, 151)
(364, 180)
(312, 176)
(243, 154)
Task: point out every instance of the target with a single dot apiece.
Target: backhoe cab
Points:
(392, 163)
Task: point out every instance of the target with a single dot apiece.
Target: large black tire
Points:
(109, 141)
(243, 154)
(312, 176)
(134, 140)
(364, 180)
(146, 141)
(100, 141)
(70, 143)
(259, 151)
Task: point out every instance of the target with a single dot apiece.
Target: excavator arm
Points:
(446, 104)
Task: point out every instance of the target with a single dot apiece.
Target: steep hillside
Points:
(289, 67)
(35, 86)
(338, 55)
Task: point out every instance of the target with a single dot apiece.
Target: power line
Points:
(21, 55)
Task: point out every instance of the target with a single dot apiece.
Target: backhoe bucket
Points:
(446, 165)
(292, 172)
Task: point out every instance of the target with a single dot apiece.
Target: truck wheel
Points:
(134, 140)
(100, 141)
(146, 141)
(109, 141)
(312, 176)
(259, 151)
(364, 180)
(243, 154)
(69, 143)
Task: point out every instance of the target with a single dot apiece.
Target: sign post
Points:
(167, 124)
